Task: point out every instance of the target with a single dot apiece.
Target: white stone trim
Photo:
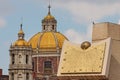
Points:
(45, 55)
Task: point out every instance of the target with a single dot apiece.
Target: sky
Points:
(74, 17)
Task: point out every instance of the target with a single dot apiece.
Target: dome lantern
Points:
(49, 23)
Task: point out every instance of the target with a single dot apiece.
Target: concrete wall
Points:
(102, 31)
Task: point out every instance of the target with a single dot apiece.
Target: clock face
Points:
(75, 60)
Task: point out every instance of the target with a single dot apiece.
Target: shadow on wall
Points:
(114, 69)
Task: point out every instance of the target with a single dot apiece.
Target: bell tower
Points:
(20, 67)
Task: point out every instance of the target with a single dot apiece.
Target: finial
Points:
(21, 23)
(49, 7)
(21, 33)
(20, 26)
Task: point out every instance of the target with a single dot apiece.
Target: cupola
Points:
(21, 41)
(49, 23)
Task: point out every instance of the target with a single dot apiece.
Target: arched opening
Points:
(53, 27)
(27, 59)
(44, 27)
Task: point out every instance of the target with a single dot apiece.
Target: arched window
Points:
(33, 66)
(20, 57)
(48, 67)
(13, 58)
(44, 27)
(27, 59)
(52, 27)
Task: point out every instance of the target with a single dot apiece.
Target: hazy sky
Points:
(74, 19)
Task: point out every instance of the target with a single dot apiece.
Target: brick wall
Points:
(0, 72)
(39, 64)
(4, 77)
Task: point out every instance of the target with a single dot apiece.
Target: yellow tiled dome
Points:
(47, 40)
(21, 42)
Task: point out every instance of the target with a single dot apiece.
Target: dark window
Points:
(44, 27)
(13, 58)
(48, 67)
(26, 59)
(33, 66)
(48, 64)
(53, 27)
(20, 58)
(27, 76)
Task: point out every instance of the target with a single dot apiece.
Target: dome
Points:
(48, 17)
(20, 42)
(47, 40)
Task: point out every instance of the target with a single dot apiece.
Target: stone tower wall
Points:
(20, 70)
